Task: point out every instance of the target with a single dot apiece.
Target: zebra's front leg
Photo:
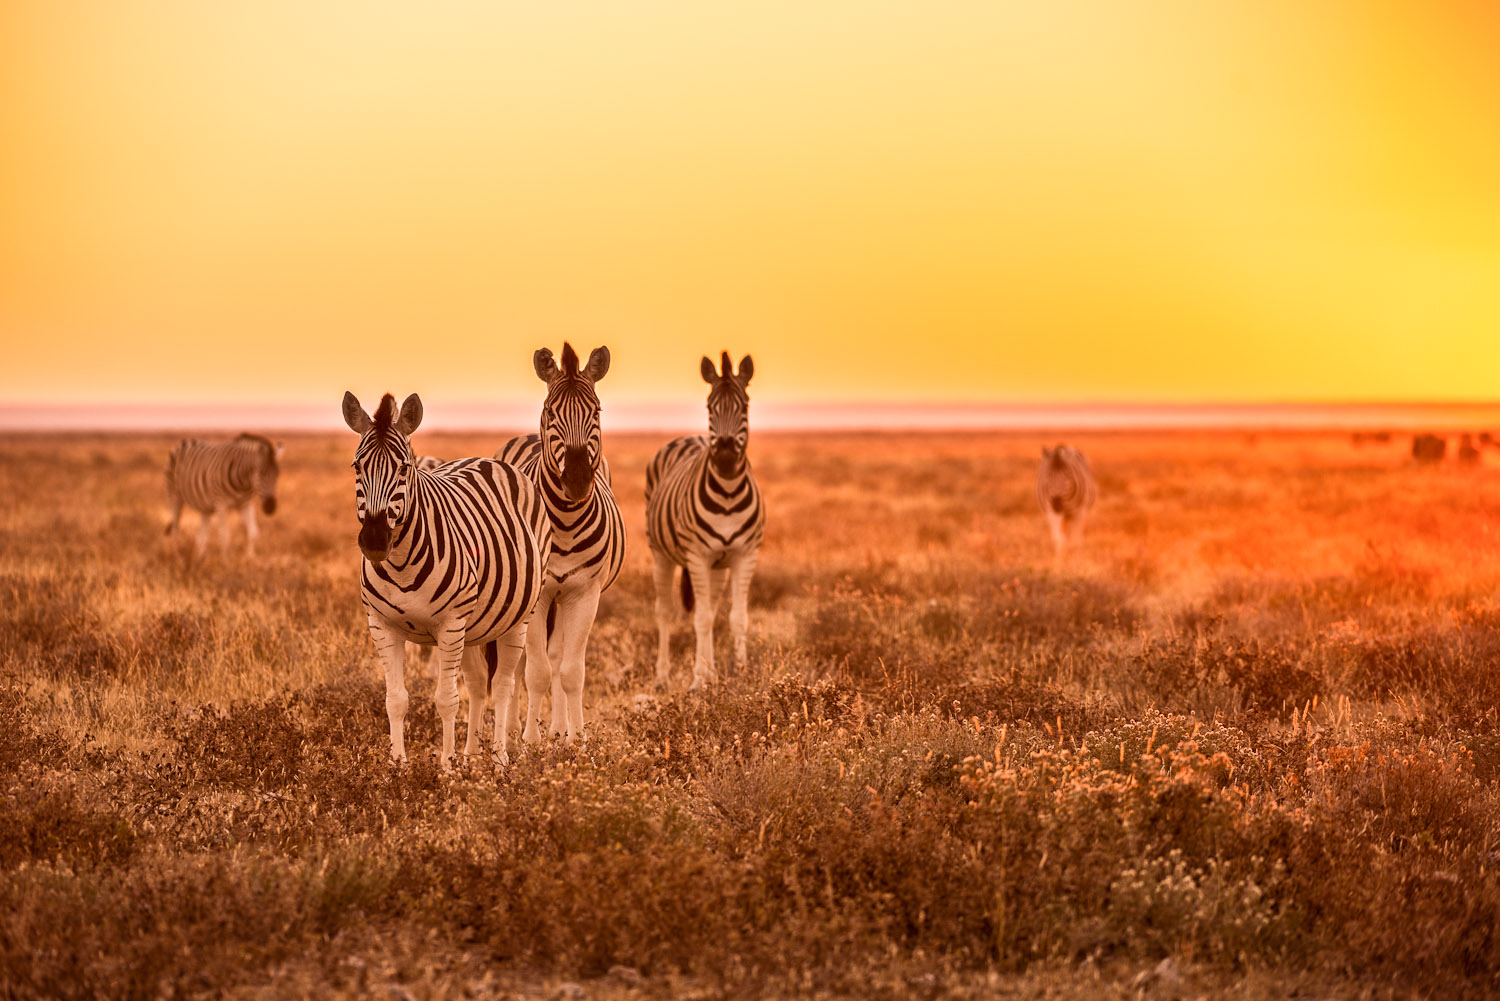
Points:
(1055, 526)
(508, 651)
(450, 653)
(223, 520)
(247, 514)
(538, 665)
(175, 504)
(476, 680)
(703, 623)
(391, 649)
(741, 572)
(575, 619)
(205, 523)
(666, 615)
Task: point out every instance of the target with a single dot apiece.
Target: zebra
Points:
(428, 462)
(704, 514)
(215, 478)
(1066, 491)
(452, 558)
(566, 460)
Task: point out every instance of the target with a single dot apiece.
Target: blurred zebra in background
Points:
(566, 460)
(704, 514)
(1066, 490)
(213, 479)
(428, 462)
(452, 558)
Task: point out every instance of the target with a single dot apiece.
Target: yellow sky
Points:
(989, 201)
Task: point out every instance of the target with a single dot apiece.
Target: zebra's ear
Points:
(354, 415)
(546, 368)
(747, 369)
(710, 374)
(411, 415)
(598, 364)
(1046, 452)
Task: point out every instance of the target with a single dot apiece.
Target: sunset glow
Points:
(987, 202)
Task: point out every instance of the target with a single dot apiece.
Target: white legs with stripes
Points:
(449, 658)
(558, 661)
(709, 586)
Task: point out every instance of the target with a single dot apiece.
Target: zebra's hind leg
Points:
(703, 625)
(476, 680)
(574, 621)
(223, 519)
(666, 614)
(392, 652)
(742, 571)
(508, 651)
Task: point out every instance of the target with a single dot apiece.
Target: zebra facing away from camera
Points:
(215, 479)
(1066, 491)
(452, 558)
(566, 461)
(704, 514)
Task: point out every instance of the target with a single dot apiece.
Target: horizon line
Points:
(641, 416)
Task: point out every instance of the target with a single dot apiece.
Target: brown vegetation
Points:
(1251, 728)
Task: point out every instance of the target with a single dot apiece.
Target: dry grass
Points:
(1252, 729)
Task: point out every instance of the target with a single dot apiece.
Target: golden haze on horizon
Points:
(987, 201)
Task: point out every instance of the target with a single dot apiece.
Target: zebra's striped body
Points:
(452, 558)
(215, 479)
(1066, 491)
(566, 461)
(704, 514)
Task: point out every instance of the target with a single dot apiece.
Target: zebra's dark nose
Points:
(374, 536)
(268, 505)
(578, 473)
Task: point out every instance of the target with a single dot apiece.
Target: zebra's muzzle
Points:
(727, 459)
(268, 505)
(578, 474)
(374, 537)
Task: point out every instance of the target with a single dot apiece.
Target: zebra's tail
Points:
(687, 591)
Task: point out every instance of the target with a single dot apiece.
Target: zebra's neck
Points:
(411, 529)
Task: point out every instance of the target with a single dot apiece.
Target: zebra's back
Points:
(208, 476)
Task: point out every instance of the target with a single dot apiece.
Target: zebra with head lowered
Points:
(566, 460)
(213, 479)
(704, 514)
(1066, 491)
(452, 558)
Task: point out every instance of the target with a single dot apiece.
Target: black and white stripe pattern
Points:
(704, 514)
(215, 479)
(1066, 491)
(452, 558)
(566, 460)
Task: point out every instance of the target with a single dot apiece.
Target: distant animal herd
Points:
(497, 564)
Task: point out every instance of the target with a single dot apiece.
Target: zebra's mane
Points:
(385, 414)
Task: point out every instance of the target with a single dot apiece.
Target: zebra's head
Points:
(267, 469)
(571, 446)
(728, 413)
(383, 464)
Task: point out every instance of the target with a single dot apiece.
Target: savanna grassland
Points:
(1245, 743)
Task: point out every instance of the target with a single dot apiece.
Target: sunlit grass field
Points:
(1244, 742)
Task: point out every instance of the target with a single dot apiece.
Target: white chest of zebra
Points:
(566, 461)
(704, 514)
(1066, 491)
(452, 558)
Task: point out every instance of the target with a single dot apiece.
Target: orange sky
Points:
(989, 201)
